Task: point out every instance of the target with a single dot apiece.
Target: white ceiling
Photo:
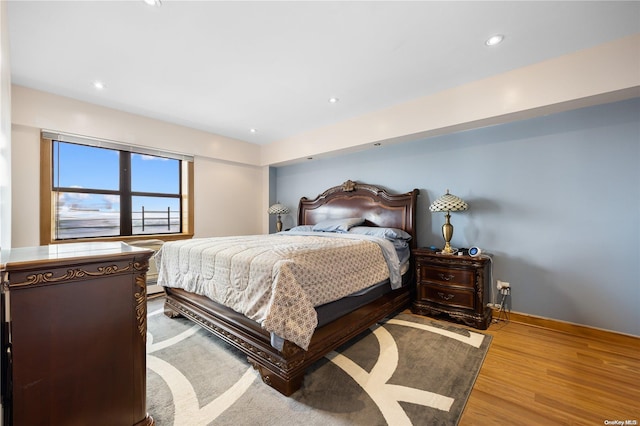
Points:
(227, 67)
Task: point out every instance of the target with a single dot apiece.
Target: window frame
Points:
(48, 199)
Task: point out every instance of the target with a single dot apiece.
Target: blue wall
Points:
(555, 199)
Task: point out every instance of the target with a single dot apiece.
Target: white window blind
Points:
(104, 143)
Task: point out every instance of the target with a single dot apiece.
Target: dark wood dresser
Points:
(74, 335)
(457, 286)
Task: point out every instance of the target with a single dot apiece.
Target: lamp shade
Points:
(278, 209)
(448, 203)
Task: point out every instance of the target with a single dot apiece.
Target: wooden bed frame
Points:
(284, 370)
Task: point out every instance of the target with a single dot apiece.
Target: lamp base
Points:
(447, 233)
(452, 250)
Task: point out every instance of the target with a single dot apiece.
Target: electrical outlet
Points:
(502, 284)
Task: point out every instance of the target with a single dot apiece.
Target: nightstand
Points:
(457, 286)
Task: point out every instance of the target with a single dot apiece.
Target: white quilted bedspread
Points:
(275, 279)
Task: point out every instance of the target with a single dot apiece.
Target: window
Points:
(112, 191)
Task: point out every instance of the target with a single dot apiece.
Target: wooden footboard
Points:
(283, 370)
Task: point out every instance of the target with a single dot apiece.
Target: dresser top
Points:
(55, 253)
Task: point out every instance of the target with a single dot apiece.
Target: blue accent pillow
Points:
(338, 225)
(387, 233)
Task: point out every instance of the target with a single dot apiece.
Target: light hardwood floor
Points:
(534, 375)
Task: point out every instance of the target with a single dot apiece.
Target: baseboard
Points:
(151, 297)
(154, 288)
(568, 327)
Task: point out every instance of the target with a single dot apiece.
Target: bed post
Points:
(286, 385)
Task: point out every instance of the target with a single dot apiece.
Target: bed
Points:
(282, 365)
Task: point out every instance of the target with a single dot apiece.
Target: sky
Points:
(98, 168)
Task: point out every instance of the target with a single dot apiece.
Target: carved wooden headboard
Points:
(352, 199)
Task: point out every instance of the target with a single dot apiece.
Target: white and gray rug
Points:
(406, 371)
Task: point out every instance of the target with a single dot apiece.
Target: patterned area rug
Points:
(407, 370)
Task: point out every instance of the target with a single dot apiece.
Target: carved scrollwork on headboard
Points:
(354, 199)
(349, 186)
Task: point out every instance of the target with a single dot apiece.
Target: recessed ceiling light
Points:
(495, 39)
(333, 100)
(156, 3)
(252, 130)
(98, 85)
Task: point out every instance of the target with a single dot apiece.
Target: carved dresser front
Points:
(74, 324)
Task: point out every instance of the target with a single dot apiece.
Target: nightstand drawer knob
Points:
(446, 277)
(445, 296)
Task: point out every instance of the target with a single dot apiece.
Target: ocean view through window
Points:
(105, 192)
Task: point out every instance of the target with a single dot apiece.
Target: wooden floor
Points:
(537, 376)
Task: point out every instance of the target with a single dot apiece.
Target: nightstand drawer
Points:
(447, 276)
(446, 296)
